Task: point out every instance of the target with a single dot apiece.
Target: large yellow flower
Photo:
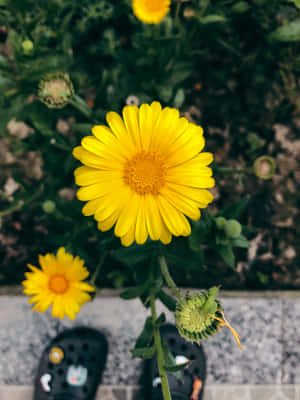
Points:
(151, 11)
(144, 174)
(58, 283)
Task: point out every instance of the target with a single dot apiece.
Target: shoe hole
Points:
(172, 341)
(60, 371)
(183, 347)
(192, 357)
(92, 358)
(64, 385)
(196, 370)
(85, 346)
(50, 366)
(69, 361)
(80, 359)
(71, 347)
(85, 389)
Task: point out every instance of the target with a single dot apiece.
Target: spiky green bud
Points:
(195, 315)
(200, 315)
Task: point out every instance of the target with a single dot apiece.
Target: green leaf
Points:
(144, 352)
(83, 129)
(170, 360)
(296, 2)
(241, 241)
(167, 300)
(176, 368)
(133, 254)
(146, 335)
(209, 19)
(227, 254)
(132, 293)
(235, 209)
(287, 33)
(160, 320)
(179, 98)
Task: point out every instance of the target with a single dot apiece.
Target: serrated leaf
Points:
(296, 2)
(160, 320)
(134, 292)
(167, 300)
(176, 368)
(144, 352)
(241, 242)
(179, 98)
(227, 254)
(170, 360)
(132, 255)
(146, 335)
(287, 33)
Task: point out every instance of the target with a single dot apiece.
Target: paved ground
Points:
(212, 392)
(269, 328)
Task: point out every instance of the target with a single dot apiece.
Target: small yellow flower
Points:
(144, 173)
(58, 283)
(151, 11)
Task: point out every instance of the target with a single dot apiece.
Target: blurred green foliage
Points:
(236, 51)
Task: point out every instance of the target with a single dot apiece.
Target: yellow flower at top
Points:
(58, 283)
(151, 11)
(144, 174)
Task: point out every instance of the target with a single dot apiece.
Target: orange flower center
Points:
(58, 284)
(154, 5)
(145, 173)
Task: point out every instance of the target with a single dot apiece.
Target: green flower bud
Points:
(220, 222)
(48, 206)
(56, 90)
(200, 315)
(233, 228)
(27, 46)
(264, 167)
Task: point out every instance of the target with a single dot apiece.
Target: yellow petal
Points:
(153, 218)
(172, 218)
(181, 203)
(141, 233)
(131, 120)
(128, 215)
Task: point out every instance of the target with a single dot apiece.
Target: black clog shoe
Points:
(71, 366)
(191, 386)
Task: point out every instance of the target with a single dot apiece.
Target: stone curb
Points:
(17, 290)
(212, 392)
(269, 328)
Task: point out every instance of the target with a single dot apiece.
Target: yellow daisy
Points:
(144, 174)
(151, 11)
(58, 283)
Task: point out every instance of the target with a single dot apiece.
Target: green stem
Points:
(21, 203)
(227, 170)
(14, 207)
(159, 353)
(98, 269)
(178, 6)
(81, 106)
(166, 274)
